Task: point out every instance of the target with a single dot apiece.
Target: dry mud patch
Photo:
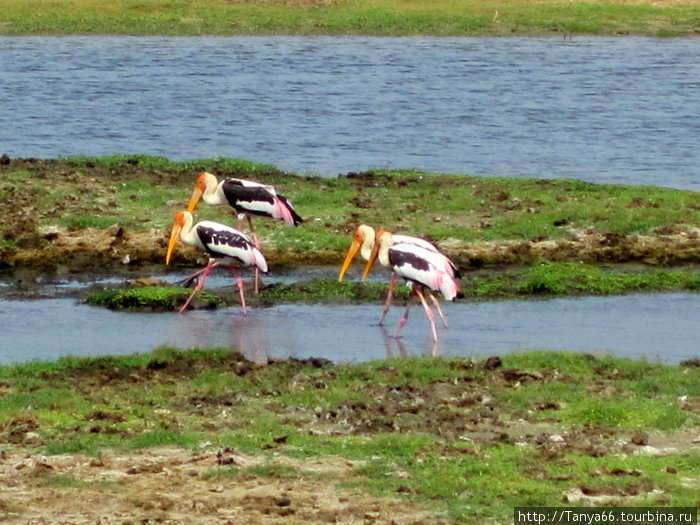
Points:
(169, 485)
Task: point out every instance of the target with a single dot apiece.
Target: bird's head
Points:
(362, 238)
(204, 181)
(178, 224)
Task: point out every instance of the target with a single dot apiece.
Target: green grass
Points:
(540, 280)
(374, 17)
(142, 192)
(432, 430)
(153, 298)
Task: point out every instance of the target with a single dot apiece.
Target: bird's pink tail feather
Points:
(282, 212)
(448, 285)
(259, 260)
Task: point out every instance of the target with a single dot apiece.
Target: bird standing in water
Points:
(225, 246)
(246, 198)
(363, 241)
(420, 267)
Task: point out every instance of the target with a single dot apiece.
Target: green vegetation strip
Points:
(141, 192)
(367, 17)
(542, 280)
(468, 440)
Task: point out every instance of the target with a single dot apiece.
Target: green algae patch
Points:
(152, 298)
(326, 291)
(546, 279)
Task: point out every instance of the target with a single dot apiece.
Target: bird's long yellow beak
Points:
(348, 258)
(174, 235)
(194, 199)
(370, 261)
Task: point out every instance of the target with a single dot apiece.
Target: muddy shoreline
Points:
(116, 248)
(41, 196)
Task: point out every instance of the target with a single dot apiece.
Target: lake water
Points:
(656, 327)
(610, 110)
(607, 110)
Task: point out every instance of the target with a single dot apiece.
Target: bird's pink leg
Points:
(200, 283)
(257, 245)
(403, 320)
(437, 307)
(389, 295)
(429, 313)
(252, 232)
(187, 280)
(239, 283)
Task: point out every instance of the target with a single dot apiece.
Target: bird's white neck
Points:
(385, 242)
(187, 233)
(213, 193)
(367, 234)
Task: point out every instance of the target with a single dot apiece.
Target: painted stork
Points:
(225, 245)
(420, 267)
(363, 241)
(247, 198)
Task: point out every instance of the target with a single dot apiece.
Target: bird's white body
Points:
(417, 264)
(223, 242)
(416, 260)
(225, 245)
(247, 197)
(406, 243)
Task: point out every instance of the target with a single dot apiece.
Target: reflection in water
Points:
(658, 327)
(390, 341)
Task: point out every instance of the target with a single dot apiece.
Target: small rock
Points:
(492, 363)
(648, 450)
(640, 438)
(32, 439)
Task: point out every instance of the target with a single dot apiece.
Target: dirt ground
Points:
(168, 485)
(172, 485)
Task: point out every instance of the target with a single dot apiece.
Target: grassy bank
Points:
(89, 213)
(451, 438)
(369, 17)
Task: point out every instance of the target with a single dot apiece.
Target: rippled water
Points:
(621, 110)
(658, 327)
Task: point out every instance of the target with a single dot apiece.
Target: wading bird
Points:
(420, 267)
(247, 198)
(223, 244)
(363, 241)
